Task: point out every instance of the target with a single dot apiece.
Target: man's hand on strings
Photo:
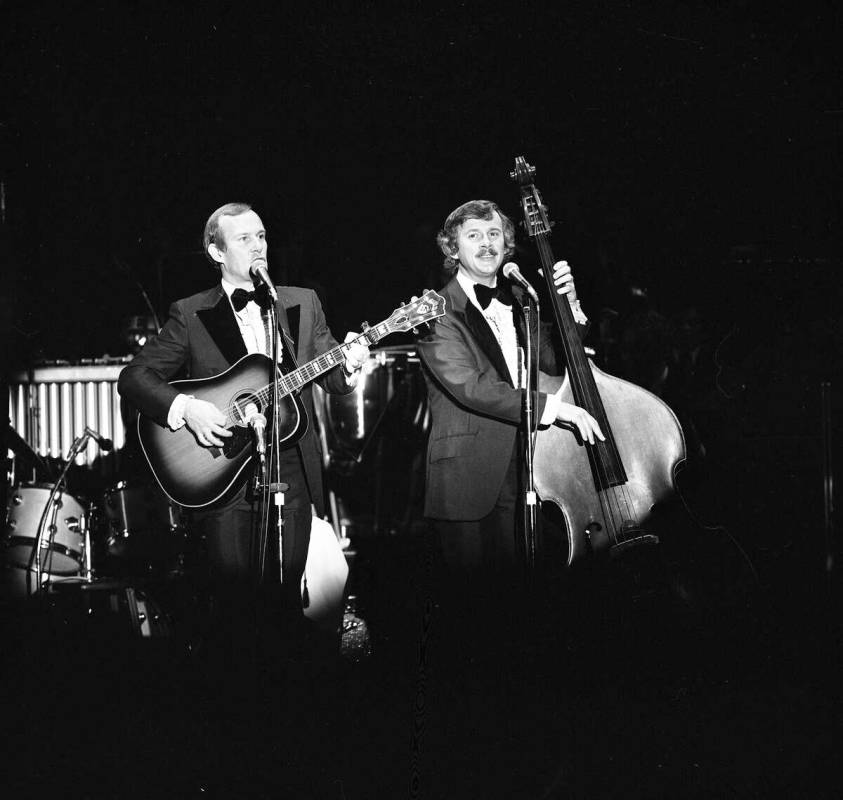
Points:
(207, 422)
(581, 420)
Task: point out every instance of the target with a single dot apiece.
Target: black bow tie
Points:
(485, 294)
(240, 297)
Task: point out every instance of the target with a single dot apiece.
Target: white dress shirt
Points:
(501, 321)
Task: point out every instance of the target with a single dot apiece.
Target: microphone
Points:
(259, 272)
(105, 444)
(257, 422)
(511, 271)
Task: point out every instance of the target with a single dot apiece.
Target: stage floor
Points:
(601, 687)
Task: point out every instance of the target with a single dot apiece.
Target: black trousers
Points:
(491, 544)
(233, 545)
(483, 572)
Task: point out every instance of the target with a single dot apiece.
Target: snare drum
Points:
(63, 529)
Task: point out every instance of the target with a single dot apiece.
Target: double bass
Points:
(607, 491)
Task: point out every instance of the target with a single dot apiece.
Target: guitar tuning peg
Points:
(402, 305)
(416, 331)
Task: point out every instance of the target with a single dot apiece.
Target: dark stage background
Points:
(675, 145)
(688, 152)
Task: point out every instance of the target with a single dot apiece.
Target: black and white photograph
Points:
(420, 400)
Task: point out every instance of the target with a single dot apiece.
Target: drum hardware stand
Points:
(39, 543)
(85, 529)
(75, 448)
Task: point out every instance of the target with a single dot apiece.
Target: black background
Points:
(689, 148)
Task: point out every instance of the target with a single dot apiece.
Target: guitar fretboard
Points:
(298, 378)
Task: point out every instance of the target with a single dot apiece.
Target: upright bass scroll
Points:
(608, 490)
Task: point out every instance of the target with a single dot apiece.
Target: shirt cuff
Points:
(579, 315)
(551, 409)
(175, 417)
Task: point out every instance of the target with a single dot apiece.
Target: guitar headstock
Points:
(418, 311)
(535, 212)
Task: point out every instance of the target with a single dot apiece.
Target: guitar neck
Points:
(298, 378)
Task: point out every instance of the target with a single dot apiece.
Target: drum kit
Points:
(58, 544)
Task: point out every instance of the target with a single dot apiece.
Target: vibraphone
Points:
(52, 403)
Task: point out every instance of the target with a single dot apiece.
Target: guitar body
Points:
(196, 476)
(650, 443)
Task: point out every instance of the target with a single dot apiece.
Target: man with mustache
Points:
(476, 388)
(204, 335)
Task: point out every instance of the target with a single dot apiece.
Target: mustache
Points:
(487, 251)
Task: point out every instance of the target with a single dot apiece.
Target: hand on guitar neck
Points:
(356, 356)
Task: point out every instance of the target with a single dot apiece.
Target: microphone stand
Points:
(39, 543)
(530, 497)
(270, 483)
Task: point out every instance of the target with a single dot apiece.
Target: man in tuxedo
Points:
(204, 335)
(476, 389)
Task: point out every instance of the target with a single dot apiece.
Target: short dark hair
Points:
(473, 209)
(212, 226)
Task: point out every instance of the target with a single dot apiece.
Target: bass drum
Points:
(62, 543)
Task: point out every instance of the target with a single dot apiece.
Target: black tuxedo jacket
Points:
(475, 408)
(201, 339)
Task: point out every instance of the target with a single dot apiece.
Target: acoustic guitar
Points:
(195, 476)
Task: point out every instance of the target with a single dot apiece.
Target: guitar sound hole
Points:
(241, 403)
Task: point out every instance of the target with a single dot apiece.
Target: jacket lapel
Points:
(222, 326)
(480, 329)
(288, 324)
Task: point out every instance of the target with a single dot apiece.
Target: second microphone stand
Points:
(530, 497)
